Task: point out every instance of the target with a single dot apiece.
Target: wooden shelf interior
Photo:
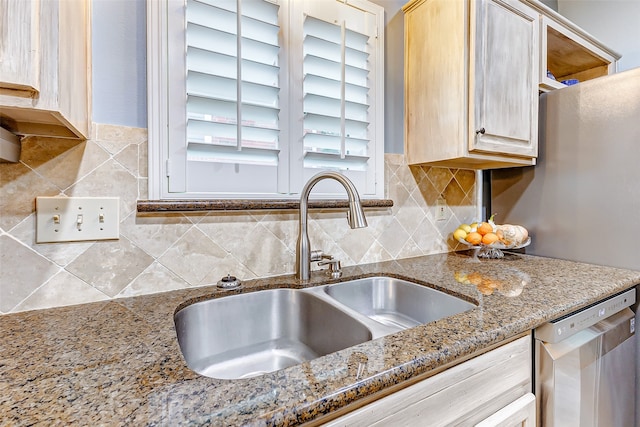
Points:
(568, 59)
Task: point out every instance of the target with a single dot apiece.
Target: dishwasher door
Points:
(588, 379)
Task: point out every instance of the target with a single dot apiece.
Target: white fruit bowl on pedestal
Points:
(494, 250)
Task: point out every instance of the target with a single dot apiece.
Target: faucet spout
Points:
(355, 217)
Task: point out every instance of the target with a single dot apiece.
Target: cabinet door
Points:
(19, 46)
(462, 395)
(504, 49)
(521, 413)
(570, 55)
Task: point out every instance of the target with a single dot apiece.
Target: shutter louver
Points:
(336, 96)
(232, 82)
(256, 96)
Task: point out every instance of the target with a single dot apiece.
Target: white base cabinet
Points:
(493, 389)
(521, 413)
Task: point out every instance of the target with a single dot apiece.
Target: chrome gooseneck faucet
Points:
(355, 217)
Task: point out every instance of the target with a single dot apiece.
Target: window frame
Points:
(160, 32)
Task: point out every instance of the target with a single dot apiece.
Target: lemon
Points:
(459, 234)
(465, 227)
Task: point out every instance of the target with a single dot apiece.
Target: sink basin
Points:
(396, 303)
(251, 334)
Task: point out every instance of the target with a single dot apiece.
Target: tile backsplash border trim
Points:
(248, 204)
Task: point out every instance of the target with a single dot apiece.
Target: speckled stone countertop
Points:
(118, 362)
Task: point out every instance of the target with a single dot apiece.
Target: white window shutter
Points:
(263, 94)
(231, 100)
(340, 52)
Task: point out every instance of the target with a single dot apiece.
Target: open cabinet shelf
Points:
(568, 55)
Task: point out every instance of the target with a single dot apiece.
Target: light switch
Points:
(72, 219)
(441, 209)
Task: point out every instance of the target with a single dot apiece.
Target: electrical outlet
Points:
(72, 219)
(441, 209)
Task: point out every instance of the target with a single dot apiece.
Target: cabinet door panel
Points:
(520, 413)
(462, 395)
(505, 78)
(19, 46)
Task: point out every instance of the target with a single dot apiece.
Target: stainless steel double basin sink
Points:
(251, 334)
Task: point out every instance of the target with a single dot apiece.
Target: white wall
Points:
(615, 22)
(119, 62)
(393, 75)
(553, 4)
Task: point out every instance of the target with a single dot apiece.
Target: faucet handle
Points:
(319, 255)
(335, 268)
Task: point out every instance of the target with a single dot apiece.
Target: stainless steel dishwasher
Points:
(585, 366)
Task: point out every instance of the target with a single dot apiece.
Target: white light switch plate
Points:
(72, 219)
(441, 209)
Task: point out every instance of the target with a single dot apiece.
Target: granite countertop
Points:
(118, 362)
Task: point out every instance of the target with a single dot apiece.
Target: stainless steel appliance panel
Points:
(582, 201)
(588, 379)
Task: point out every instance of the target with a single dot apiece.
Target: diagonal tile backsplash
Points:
(158, 253)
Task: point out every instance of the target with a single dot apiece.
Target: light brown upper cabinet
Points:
(471, 83)
(45, 67)
(473, 72)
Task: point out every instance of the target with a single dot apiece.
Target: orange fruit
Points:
(474, 238)
(475, 278)
(489, 283)
(485, 228)
(489, 238)
(485, 290)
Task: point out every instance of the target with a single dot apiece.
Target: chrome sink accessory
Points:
(268, 330)
(318, 255)
(335, 269)
(229, 282)
(355, 217)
